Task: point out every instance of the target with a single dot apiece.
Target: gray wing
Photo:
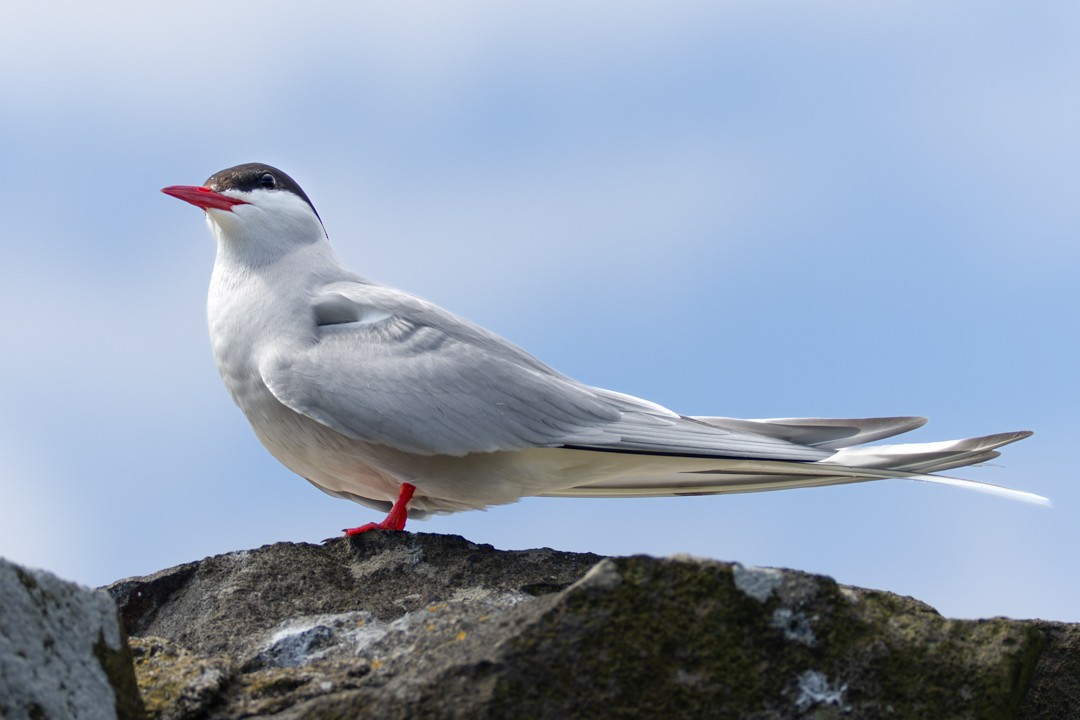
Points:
(389, 368)
(830, 433)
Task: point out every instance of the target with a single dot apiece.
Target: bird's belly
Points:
(335, 463)
(372, 474)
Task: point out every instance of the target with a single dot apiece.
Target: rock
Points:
(428, 626)
(176, 683)
(1055, 687)
(62, 652)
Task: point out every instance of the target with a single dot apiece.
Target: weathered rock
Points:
(176, 683)
(62, 652)
(1055, 687)
(424, 626)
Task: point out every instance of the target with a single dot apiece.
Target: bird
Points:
(378, 396)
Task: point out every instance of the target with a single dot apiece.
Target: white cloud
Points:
(196, 58)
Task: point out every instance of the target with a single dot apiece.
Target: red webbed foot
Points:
(395, 519)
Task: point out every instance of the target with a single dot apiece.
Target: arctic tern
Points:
(378, 396)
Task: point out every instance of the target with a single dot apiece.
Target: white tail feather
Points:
(987, 488)
(634, 475)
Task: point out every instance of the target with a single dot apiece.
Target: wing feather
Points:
(389, 368)
(829, 433)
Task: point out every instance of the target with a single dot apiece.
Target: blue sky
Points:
(818, 208)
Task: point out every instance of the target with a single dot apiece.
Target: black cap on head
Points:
(256, 176)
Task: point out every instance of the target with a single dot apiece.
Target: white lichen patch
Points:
(312, 638)
(491, 597)
(794, 624)
(758, 583)
(813, 688)
(306, 639)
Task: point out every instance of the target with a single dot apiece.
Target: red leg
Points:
(395, 519)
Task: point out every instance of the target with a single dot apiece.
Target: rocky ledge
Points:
(395, 625)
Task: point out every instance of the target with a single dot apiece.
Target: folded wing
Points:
(386, 367)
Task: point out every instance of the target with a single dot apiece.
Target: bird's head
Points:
(255, 209)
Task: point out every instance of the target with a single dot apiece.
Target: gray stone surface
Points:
(393, 625)
(62, 653)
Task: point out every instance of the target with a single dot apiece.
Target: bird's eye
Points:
(268, 181)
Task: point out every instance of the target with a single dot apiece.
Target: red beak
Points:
(202, 197)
